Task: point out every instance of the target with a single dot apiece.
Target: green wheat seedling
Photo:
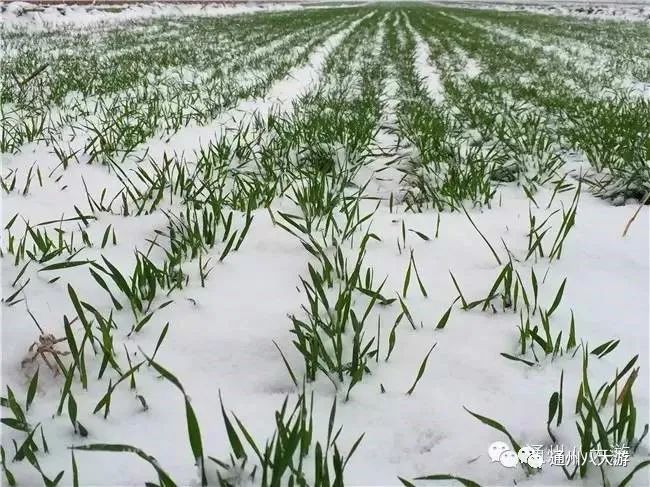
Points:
(529, 300)
(252, 191)
(104, 342)
(41, 246)
(463, 481)
(487, 242)
(11, 480)
(325, 208)
(21, 127)
(284, 458)
(10, 138)
(28, 449)
(541, 336)
(193, 232)
(568, 222)
(560, 185)
(72, 414)
(147, 278)
(595, 431)
(109, 236)
(549, 344)
(352, 216)
(497, 426)
(8, 181)
(15, 247)
(154, 179)
(536, 239)
(317, 200)
(150, 191)
(105, 206)
(118, 127)
(171, 177)
(19, 420)
(141, 287)
(322, 338)
(193, 430)
(555, 408)
(503, 281)
(14, 298)
(65, 156)
(613, 135)
(105, 402)
(204, 271)
(464, 177)
(407, 278)
(77, 350)
(28, 179)
(106, 327)
(323, 343)
(502, 287)
(421, 370)
(531, 146)
(318, 246)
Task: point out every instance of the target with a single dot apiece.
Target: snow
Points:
(426, 69)
(623, 11)
(243, 310)
(221, 338)
(472, 68)
(23, 15)
(304, 77)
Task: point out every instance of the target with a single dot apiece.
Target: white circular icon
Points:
(509, 459)
(535, 460)
(496, 449)
(524, 453)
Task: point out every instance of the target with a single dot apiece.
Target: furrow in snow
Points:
(423, 66)
(185, 143)
(280, 97)
(381, 172)
(471, 68)
(580, 55)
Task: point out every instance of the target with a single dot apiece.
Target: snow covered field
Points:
(26, 16)
(618, 10)
(359, 245)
